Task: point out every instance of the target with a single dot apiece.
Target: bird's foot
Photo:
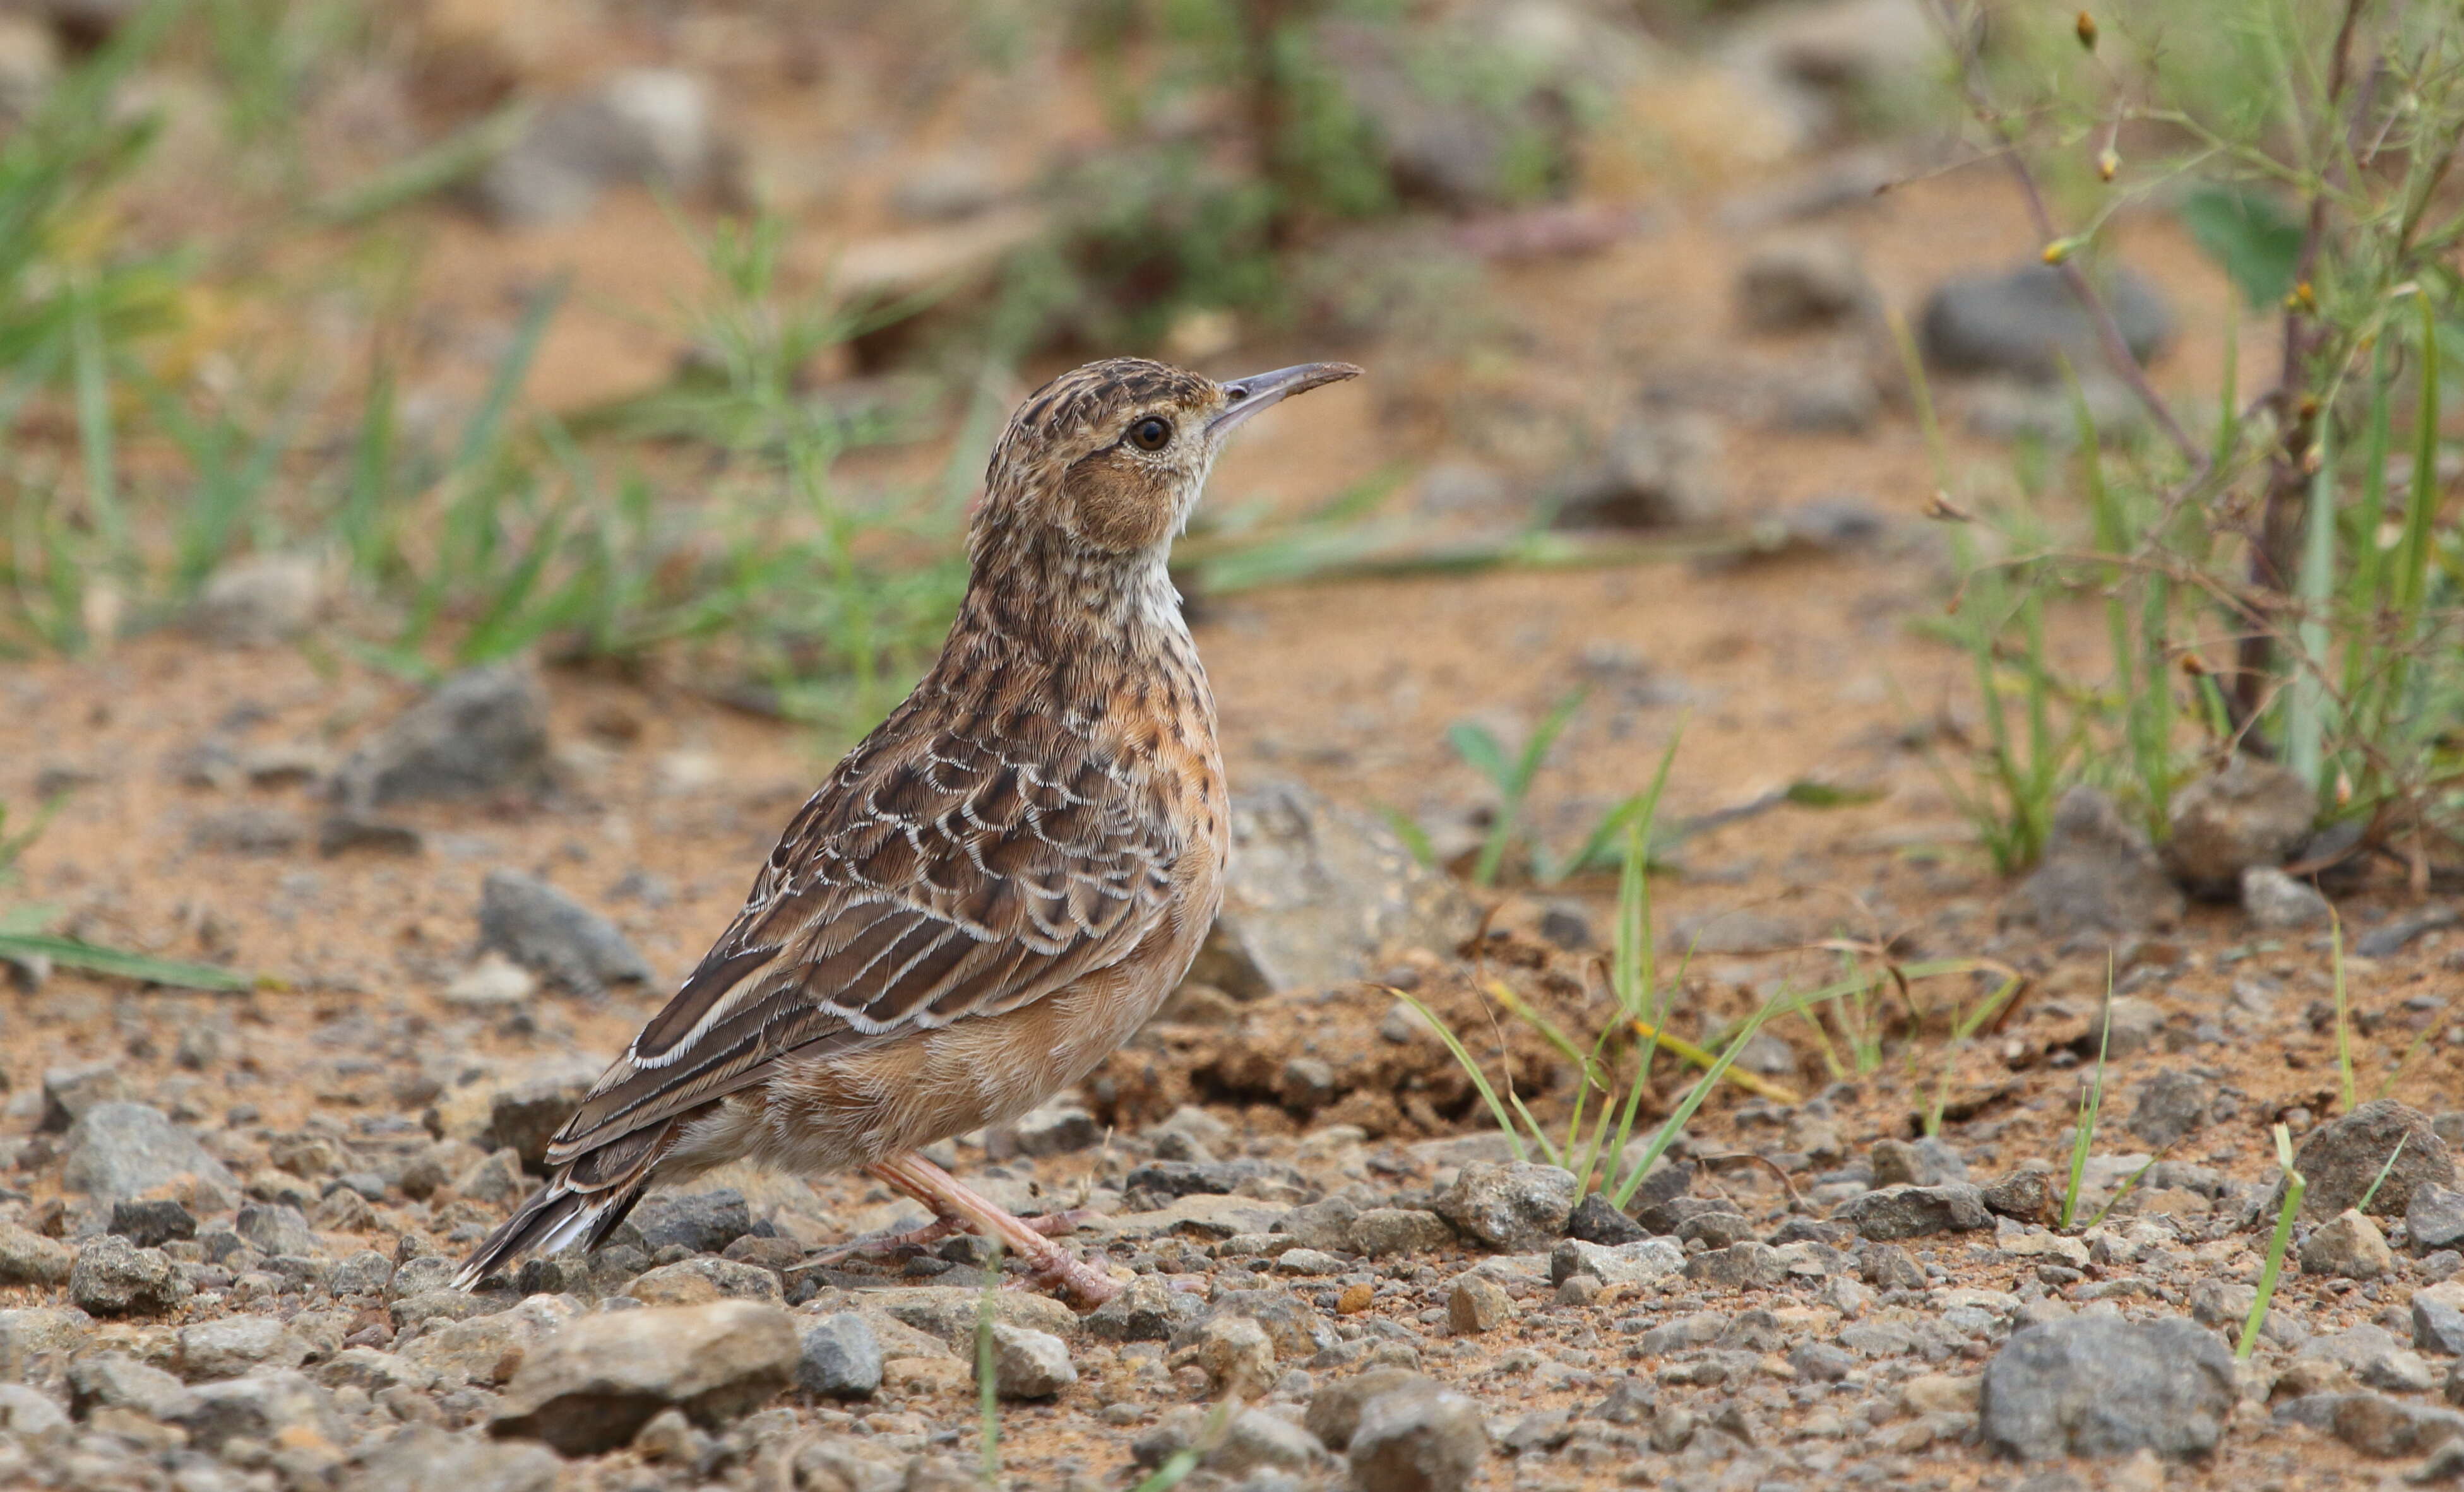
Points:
(956, 1207)
(909, 1242)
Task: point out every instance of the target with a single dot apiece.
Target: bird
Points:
(994, 889)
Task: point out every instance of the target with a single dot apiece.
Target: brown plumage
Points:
(996, 888)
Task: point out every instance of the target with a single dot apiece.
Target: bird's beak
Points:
(1246, 397)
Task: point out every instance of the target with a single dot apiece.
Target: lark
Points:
(992, 891)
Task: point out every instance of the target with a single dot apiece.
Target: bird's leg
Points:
(1049, 1265)
(945, 1223)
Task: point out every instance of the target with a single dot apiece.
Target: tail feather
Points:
(582, 1204)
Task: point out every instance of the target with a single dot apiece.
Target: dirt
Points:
(1804, 667)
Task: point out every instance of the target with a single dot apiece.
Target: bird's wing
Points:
(944, 876)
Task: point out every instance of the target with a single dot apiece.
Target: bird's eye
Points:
(1152, 433)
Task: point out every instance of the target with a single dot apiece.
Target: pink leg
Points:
(1050, 1265)
(945, 1225)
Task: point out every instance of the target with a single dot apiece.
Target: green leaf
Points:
(2255, 242)
(69, 952)
(1477, 746)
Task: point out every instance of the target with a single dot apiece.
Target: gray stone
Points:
(1315, 894)
(1596, 1219)
(482, 730)
(2023, 1196)
(112, 1277)
(69, 1091)
(2101, 1386)
(1516, 1207)
(2393, 935)
(153, 1223)
(2171, 1106)
(273, 1228)
(1325, 1224)
(1030, 1363)
(257, 600)
(1232, 1351)
(1334, 1408)
(2349, 1246)
(1148, 1310)
(112, 1380)
(1056, 1128)
(1715, 1230)
(119, 1149)
(1927, 1162)
(1799, 280)
(1384, 1232)
(1619, 1263)
(2434, 1219)
(1658, 469)
(1418, 1437)
(32, 1258)
(424, 1457)
(951, 1314)
(1258, 1443)
(26, 1413)
(229, 1346)
(2249, 813)
(2274, 902)
(1914, 1212)
(2438, 1318)
(2098, 875)
(2026, 323)
(840, 1357)
(637, 125)
(263, 1407)
(2342, 1160)
(698, 1280)
(1739, 1266)
(36, 1340)
(590, 1387)
(555, 937)
(1477, 1304)
(703, 1222)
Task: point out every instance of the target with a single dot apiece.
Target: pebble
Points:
(1386, 1231)
(112, 1277)
(2434, 1219)
(1515, 1207)
(229, 1346)
(2098, 1386)
(2247, 814)
(2342, 1159)
(119, 1149)
(1233, 1351)
(1910, 1211)
(2275, 902)
(1030, 1363)
(840, 1357)
(2025, 321)
(482, 730)
(2169, 1106)
(2096, 875)
(258, 601)
(2349, 1246)
(1148, 1310)
(1477, 1304)
(549, 932)
(594, 1384)
(1798, 280)
(32, 1258)
(1417, 1437)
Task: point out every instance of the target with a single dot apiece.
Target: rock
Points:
(1058, 1126)
(2096, 876)
(36, 1340)
(27, 1413)
(641, 124)
(840, 1357)
(1418, 1437)
(2101, 1386)
(271, 1407)
(2171, 1106)
(2434, 1218)
(1334, 1409)
(32, 1258)
(1384, 1232)
(2248, 814)
(256, 601)
(112, 1277)
(494, 982)
(486, 1349)
(555, 937)
(2026, 323)
(1233, 1351)
(1831, 396)
(1658, 469)
(590, 1387)
(2393, 936)
(1030, 1365)
(1915, 1212)
(2341, 1159)
(1620, 1264)
(2026, 1195)
(482, 730)
(229, 1346)
(2350, 1247)
(1596, 1219)
(69, 1091)
(1476, 1304)
(2013, 409)
(2277, 903)
(1258, 1443)
(1516, 1207)
(2438, 1318)
(1925, 1162)
(1739, 1266)
(112, 1380)
(424, 1457)
(1315, 894)
(273, 1228)
(1799, 280)
(951, 1314)
(697, 1281)
(127, 1148)
(705, 1223)
(152, 1224)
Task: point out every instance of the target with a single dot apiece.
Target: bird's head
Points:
(1110, 458)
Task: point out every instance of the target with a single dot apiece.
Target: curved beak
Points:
(1247, 397)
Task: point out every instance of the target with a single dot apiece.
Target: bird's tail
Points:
(581, 1203)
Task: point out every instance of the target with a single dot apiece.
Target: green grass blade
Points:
(71, 954)
(1497, 1108)
(2295, 1185)
(2091, 1108)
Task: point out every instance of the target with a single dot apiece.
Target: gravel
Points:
(1417, 1437)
